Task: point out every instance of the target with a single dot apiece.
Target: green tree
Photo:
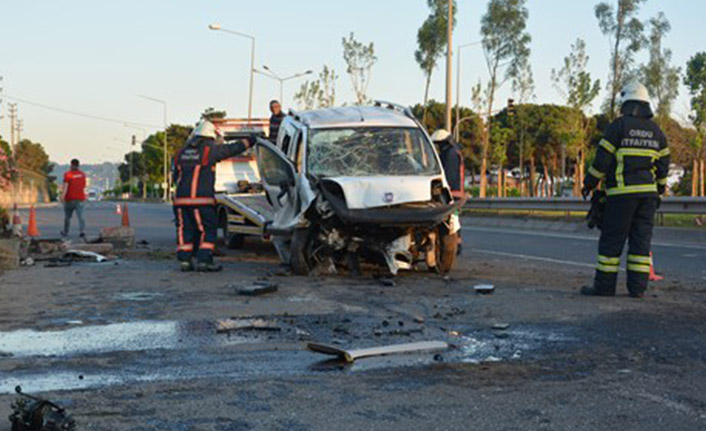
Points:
(32, 156)
(431, 40)
(506, 47)
(319, 93)
(695, 81)
(5, 147)
(660, 78)
(360, 59)
(624, 32)
(574, 83)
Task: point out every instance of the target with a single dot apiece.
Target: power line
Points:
(79, 114)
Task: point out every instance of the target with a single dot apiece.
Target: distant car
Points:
(357, 183)
(92, 196)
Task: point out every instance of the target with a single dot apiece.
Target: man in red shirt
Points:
(73, 195)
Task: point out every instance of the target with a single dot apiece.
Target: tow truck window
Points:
(370, 151)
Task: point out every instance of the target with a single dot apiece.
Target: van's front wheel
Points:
(446, 249)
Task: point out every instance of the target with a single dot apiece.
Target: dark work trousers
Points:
(632, 219)
(196, 232)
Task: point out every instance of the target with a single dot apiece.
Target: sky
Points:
(97, 57)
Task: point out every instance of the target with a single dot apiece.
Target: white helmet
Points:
(634, 91)
(206, 129)
(440, 135)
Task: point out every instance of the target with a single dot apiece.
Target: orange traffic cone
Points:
(118, 210)
(126, 216)
(653, 274)
(32, 229)
(16, 221)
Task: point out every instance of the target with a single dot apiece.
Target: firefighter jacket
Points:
(632, 159)
(195, 169)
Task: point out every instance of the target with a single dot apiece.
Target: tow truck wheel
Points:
(299, 249)
(447, 246)
(232, 241)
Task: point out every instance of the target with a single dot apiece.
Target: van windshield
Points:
(370, 151)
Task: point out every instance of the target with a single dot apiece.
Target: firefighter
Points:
(632, 160)
(194, 203)
(452, 161)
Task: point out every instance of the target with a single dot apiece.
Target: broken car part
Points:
(352, 355)
(30, 413)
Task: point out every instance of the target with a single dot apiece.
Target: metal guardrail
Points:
(672, 205)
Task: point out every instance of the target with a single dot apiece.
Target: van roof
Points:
(354, 116)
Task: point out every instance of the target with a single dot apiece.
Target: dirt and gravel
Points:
(132, 345)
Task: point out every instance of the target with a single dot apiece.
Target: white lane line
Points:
(565, 236)
(541, 259)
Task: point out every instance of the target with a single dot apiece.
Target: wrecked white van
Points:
(358, 184)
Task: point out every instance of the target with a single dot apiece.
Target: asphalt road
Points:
(675, 259)
(132, 344)
(153, 222)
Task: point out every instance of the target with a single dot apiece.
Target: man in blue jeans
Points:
(73, 195)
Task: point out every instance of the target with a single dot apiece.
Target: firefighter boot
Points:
(208, 267)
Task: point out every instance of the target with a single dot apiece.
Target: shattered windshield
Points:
(370, 151)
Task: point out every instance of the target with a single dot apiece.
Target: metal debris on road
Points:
(228, 325)
(86, 254)
(352, 355)
(31, 413)
(484, 288)
(257, 288)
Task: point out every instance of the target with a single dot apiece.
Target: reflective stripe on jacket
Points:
(195, 169)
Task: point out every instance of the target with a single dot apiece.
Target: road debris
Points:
(100, 248)
(229, 325)
(256, 289)
(57, 263)
(388, 282)
(484, 289)
(119, 236)
(352, 355)
(501, 326)
(31, 413)
(80, 254)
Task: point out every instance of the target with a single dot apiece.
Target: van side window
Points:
(285, 143)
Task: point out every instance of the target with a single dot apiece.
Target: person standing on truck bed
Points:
(452, 161)
(633, 161)
(195, 203)
(275, 120)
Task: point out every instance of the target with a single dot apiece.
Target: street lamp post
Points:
(273, 75)
(457, 135)
(165, 167)
(217, 27)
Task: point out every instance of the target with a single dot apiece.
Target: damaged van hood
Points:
(375, 192)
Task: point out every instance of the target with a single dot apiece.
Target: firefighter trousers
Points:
(196, 232)
(630, 218)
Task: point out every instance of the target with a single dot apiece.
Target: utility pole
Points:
(449, 66)
(13, 117)
(132, 153)
(20, 129)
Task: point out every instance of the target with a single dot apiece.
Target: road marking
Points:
(565, 236)
(528, 257)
